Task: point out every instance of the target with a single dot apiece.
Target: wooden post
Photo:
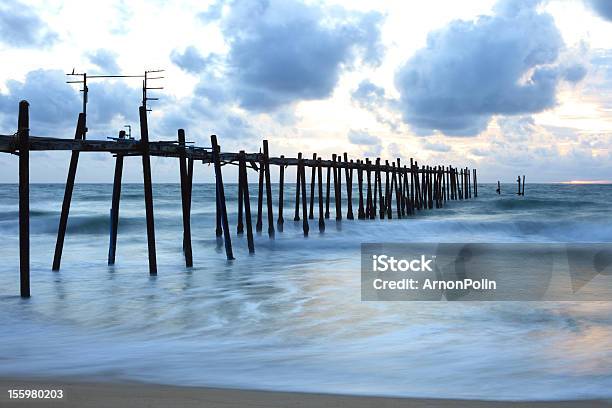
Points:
(430, 186)
(148, 189)
(381, 200)
(518, 179)
(370, 209)
(327, 191)
(448, 184)
(405, 191)
(312, 186)
(185, 200)
(469, 182)
(74, 160)
(476, 184)
(23, 139)
(321, 212)
(424, 188)
(114, 213)
(335, 174)
(498, 191)
(375, 192)
(244, 185)
(455, 185)
(439, 186)
(281, 185)
(221, 194)
(239, 223)
(348, 174)
(412, 183)
(266, 155)
(417, 188)
(262, 170)
(189, 182)
(523, 193)
(360, 209)
(302, 170)
(395, 181)
(451, 183)
(400, 189)
(297, 190)
(387, 191)
(338, 188)
(218, 227)
(443, 185)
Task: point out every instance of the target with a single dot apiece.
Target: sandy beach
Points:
(136, 395)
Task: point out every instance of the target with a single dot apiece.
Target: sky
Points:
(508, 87)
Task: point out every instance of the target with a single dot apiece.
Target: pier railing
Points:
(386, 189)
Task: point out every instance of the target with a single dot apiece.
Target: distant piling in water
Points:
(385, 189)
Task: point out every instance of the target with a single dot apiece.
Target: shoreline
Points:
(136, 395)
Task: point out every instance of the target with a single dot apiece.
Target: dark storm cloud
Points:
(21, 27)
(471, 70)
(105, 60)
(55, 105)
(286, 51)
(602, 7)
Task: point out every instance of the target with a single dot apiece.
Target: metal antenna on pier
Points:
(85, 90)
(146, 87)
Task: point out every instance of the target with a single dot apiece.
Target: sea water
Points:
(290, 317)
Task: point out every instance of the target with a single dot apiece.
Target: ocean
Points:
(290, 316)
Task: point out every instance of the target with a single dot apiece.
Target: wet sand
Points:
(137, 395)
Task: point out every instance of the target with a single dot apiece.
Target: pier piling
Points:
(313, 175)
(79, 134)
(114, 213)
(321, 211)
(244, 185)
(221, 197)
(281, 185)
(185, 200)
(297, 189)
(266, 162)
(148, 189)
(23, 135)
(302, 171)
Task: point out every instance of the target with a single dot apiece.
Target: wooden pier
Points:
(381, 186)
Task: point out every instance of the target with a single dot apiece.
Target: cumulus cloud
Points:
(516, 129)
(503, 64)
(437, 147)
(371, 144)
(601, 7)
(105, 60)
(286, 51)
(213, 12)
(373, 98)
(369, 95)
(55, 105)
(191, 60)
(21, 27)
